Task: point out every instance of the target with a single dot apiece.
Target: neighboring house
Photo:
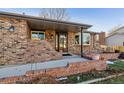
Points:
(116, 37)
(26, 39)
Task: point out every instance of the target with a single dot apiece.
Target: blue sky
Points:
(102, 19)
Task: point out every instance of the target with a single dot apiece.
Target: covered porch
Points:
(37, 38)
(60, 34)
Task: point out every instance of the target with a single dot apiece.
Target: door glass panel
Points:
(61, 42)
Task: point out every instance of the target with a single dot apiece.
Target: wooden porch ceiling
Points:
(42, 25)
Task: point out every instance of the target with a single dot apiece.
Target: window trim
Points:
(38, 33)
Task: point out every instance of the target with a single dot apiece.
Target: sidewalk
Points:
(17, 70)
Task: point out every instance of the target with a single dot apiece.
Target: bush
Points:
(73, 79)
(117, 51)
(121, 56)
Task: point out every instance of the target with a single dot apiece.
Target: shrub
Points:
(121, 56)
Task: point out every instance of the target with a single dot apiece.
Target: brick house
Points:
(26, 39)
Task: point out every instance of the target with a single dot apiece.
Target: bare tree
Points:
(54, 13)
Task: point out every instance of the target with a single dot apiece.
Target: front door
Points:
(61, 41)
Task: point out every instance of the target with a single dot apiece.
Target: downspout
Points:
(81, 42)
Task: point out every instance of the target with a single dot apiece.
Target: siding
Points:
(115, 40)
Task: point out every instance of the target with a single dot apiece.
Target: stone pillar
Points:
(92, 41)
(71, 42)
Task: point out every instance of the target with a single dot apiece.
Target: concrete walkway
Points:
(17, 70)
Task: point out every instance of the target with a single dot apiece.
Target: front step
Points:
(66, 54)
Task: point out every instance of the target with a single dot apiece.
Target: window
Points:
(76, 39)
(97, 37)
(37, 35)
(86, 38)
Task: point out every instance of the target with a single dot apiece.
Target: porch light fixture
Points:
(51, 36)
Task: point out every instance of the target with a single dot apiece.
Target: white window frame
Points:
(38, 33)
(89, 39)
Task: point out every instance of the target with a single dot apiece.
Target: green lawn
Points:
(118, 66)
(115, 68)
(86, 76)
(117, 80)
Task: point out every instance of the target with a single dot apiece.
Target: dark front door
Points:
(61, 41)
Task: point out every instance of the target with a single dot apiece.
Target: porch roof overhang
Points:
(38, 23)
(91, 32)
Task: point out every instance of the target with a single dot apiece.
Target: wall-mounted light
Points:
(51, 36)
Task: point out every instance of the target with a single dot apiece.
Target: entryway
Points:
(62, 41)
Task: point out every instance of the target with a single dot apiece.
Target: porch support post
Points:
(81, 42)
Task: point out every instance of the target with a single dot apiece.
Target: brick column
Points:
(102, 38)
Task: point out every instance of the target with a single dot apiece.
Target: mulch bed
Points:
(39, 79)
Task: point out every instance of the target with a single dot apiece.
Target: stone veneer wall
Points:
(17, 47)
(50, 37)
(76, 48)
(71, 42)
(104, 56)
(39, 51)
(12, 44)
(102, 38)
(72, 68)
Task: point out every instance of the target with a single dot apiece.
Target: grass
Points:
(115, 68)
(117, 80)
(118, 66)
(85, 76)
